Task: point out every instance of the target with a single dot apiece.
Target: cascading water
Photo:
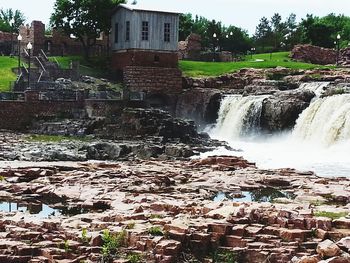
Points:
(238, 116)
(326, 121)
(317, 87)
(320, 140)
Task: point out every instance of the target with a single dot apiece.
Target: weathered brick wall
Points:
(153, 79)
(58, 44)
(5, 36)
(144, 58)
(17, 115)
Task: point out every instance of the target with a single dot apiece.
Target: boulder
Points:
(106, 151)
(314, 54)
(344, 244)
(200, 105)
(327, 248)
(280, 111)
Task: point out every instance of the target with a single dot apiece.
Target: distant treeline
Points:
(272, 34)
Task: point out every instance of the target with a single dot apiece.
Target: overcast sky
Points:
(241, 13)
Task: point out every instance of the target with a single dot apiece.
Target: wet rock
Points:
(280, 111)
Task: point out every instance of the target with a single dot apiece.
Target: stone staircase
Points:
(40, 70)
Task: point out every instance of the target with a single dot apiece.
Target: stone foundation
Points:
(143, 58)
(153, 80)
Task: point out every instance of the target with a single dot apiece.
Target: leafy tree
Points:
(185, 26)
(263, 33)
(278, 30)
(85, 19)
(6, 18)
(236, 40)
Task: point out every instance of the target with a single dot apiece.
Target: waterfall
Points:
(326, 121)
(317, 87)
(238, 116)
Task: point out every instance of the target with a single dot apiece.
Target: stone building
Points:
(144, 37)
(144, 43)
(57, 44)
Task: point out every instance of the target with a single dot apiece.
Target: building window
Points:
(166, 32)
(127, 31)
(145, 30)
(116, 33)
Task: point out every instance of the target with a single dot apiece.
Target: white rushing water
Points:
(319, 142)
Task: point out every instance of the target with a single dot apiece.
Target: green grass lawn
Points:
(199, 69)
(6, 74)
(95, 67)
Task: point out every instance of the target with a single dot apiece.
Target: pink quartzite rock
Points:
(327, 248)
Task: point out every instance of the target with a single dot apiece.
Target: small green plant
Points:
(315, 76)
(275, 76)
(130, 225)
(155, 231)
(84, 236)
(111, 243)
(332, 215)
(55, 138)
(66, 246)
(134, 258)
(313, 233)
(224, 256)
(2, 178)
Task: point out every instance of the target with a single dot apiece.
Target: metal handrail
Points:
(26, 52)
(43, 53)
(41, 65)
(41, 74)
(25, 68)
(19, 77)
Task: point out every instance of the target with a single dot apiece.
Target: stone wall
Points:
(143, 58)
(58, 44)
(5, 42)
(314, 54)
(153, 80)
(344, 58)
(18, 115)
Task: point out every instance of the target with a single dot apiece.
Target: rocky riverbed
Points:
(157, 209)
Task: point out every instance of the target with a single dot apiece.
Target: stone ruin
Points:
(314, 54)
(344, 57)
(190, 48)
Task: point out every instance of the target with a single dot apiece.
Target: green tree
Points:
(263, 33)
(85, 19)
(185, 26)
(236, 40)
(279, 29)
(10, 20)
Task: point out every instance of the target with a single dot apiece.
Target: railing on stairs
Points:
(39, 62)
(44, 55)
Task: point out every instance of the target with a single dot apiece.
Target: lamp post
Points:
(29, 48)
(214, 38)
(19, 39)
(12, 23)
(338, 45)
(252, 50)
